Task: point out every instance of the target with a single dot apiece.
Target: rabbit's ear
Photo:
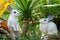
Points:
(9, 8)
(50, 17)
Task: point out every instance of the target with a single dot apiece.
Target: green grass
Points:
(29, 37)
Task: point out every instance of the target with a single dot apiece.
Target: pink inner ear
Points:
(9, 8)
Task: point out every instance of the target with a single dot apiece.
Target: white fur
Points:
(13, 24)
(48, 27)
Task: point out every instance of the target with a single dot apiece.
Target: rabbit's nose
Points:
(18, 13)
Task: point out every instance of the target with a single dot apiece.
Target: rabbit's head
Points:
(46, 20)
(15, 13)
(43, 20)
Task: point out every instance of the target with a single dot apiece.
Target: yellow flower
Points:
(10, 1)
(3, 5)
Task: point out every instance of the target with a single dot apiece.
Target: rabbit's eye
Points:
(14, 12)
(44, 20)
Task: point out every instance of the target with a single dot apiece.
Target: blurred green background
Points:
(30, 13)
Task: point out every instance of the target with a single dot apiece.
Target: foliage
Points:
(27, 7)
(34, 9)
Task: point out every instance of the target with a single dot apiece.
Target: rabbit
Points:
(13, 24)
(47, 26)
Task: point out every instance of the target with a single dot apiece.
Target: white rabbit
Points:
(13, 24)
(47, 26)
